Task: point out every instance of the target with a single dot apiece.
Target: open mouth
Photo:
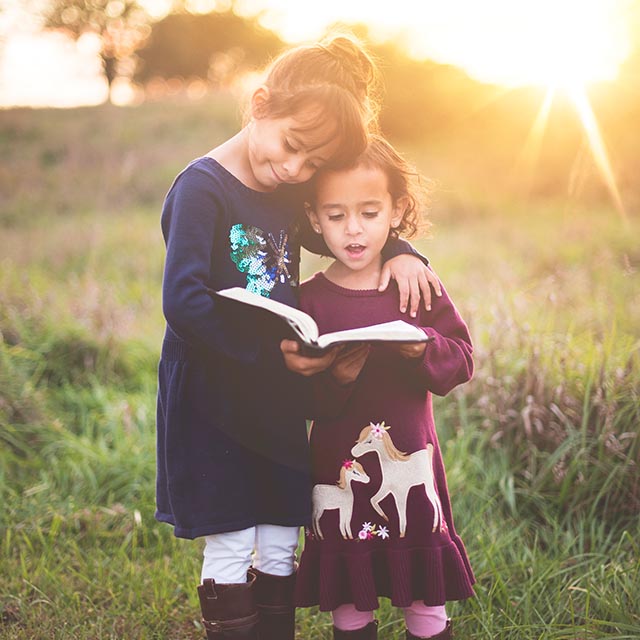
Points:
(354, 250)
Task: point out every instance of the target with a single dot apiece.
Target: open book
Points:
(306, 329)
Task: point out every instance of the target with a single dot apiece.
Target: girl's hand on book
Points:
(349, 362)
(304, 365)
(413, 278)
(410, 351)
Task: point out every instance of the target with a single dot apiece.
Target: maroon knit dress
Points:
(382, 523)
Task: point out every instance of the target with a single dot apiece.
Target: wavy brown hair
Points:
(404, 181)
(335, 82)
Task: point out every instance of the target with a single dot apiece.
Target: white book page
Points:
(396, 331)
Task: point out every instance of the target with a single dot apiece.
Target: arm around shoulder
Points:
(397, 247)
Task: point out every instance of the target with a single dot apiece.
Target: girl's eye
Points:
(289, 147)
(370, 214)
(336, 216)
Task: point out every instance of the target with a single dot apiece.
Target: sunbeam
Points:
(597, 146)
(531, 149)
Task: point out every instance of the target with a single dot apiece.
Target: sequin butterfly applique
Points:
(264, 259)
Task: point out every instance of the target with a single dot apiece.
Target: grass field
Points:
(541, 448)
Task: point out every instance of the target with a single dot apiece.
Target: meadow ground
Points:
(541, 448)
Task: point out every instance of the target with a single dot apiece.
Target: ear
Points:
(313, 218)
(259, 101)
(399, 210)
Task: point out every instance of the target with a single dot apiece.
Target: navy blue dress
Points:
(232, 448)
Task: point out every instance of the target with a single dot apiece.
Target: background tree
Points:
(213, 46)
(121, 25)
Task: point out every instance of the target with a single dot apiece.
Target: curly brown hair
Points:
(404, 181)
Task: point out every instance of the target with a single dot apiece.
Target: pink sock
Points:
(348, 618)
(423, 621)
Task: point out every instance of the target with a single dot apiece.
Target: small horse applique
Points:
(400, 472)
(326, 497)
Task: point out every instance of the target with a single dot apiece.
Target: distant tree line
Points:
(423, 101)
(122, 25)
(219, 46)
(213, 46)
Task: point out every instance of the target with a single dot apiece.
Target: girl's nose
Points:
(353, 225)
(293, 166)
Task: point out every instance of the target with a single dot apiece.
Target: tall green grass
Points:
(541, 447)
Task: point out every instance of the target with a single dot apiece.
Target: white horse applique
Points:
(326, 497)
(400, 472)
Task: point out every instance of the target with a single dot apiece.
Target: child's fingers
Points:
(414, 289)
(433, 279)
(348, 366)
(354, 354)
(403, 293)
(425, 289)
(304, 365)
(289, 346)
(412, 350)
(385, 278)
(317, 364)
(361, 350)
(351, 347)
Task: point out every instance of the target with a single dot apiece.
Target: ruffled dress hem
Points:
(434, 575)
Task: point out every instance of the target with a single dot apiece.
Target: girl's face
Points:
(354, 212)
(280, 150)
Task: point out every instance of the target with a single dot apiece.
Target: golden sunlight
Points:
(560, 43)
(531, 149)
(563, 45)
(597, 146)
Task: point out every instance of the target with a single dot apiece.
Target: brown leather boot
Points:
(229, 610)
(274, 601)
(370, 632)
(446, 634)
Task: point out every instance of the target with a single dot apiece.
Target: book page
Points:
(396, 331)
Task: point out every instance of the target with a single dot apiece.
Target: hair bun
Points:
(357, 71)
(338, 76)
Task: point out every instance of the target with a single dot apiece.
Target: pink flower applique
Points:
(347, 464)
(370, 531)
(378, 429)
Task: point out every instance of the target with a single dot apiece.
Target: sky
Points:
(510, 42)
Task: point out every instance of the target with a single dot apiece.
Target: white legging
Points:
(267, 547)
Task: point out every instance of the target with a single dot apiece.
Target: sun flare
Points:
(560, 43)
(563, 45)
(531, 149)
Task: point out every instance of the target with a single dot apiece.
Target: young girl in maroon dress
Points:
(382, 523)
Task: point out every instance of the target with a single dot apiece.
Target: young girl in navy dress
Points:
(382, 523)
(232, 451)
